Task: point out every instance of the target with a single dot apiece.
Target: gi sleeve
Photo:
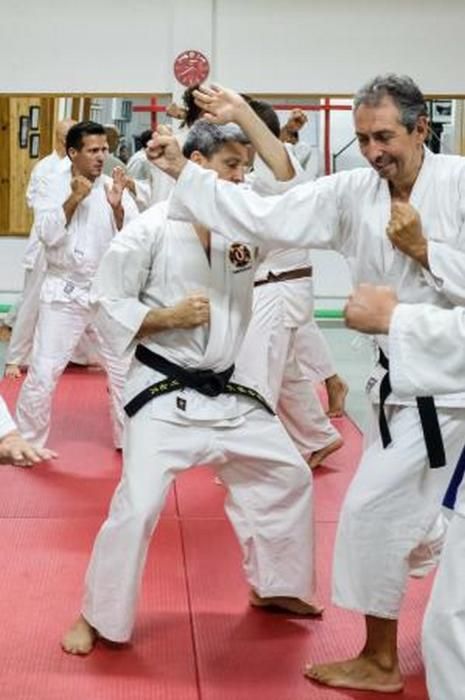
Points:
(131, 210)
(305, 216)
(7, 424)
(446, 257)
(33, 187)
(426, 350)
(49, 216)
(121, 277)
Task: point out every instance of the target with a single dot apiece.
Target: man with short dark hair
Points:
(185, 296)
(400, 222)
(77, 215)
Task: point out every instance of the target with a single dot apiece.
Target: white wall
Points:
(311, 46)
(265, 46)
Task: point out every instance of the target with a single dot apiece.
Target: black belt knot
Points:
(205, 381)
(428, 419)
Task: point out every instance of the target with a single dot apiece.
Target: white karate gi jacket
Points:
(44, 169)
(349, 212)
(154, 263)
(299, 307)
(74, 251)
(427, 350)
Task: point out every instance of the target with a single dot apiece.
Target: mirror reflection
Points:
(324, 140)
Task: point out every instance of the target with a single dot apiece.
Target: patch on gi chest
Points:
(240, 257)
(68, 287)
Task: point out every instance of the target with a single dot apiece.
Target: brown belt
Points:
(286, 275)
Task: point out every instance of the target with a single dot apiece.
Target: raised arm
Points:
(222, 105)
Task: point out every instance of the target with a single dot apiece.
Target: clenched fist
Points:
(192, 311)
(370, 308)
(165, 152)
(80, 186)
(405, 232)
(297, 119)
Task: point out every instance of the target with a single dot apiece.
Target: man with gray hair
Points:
(400, 222)
(182, 296)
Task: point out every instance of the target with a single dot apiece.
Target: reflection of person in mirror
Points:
(112, 160)
(290, 133)
(23, 317)
(77, 214)
(207, 415)
(148, 184)
(401, 222)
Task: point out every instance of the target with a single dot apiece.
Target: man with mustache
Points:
(400, 222)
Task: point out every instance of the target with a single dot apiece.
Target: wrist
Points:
(75, 198)
(386, 317)
(421, 254)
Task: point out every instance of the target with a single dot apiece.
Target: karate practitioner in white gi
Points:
(23, 317)
(13, 448)
(426, 347)
(312, 348)
(280, 331)
(77, 216)
(400, 222)
(186, 294)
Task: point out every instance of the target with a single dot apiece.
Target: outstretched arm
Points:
(222, 105)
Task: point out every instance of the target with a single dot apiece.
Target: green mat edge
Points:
(319, 313)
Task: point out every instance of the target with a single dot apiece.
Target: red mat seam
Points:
(188, 594)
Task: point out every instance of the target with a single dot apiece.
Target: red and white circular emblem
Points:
(240, 255)
(191, 67)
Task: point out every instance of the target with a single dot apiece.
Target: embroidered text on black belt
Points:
(205, 382)
(428, 419)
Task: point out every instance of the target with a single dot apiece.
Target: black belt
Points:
(428, 419)
(205, 381)
(286, 275)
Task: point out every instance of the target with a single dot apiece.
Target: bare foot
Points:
(337, 391)
(80, 638)
(12, 371)
(292, 605)
(5, 333)
(319, 456)
(361, 673)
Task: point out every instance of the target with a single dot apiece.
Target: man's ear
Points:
(71, 152)
(197, 157)
(422, 127)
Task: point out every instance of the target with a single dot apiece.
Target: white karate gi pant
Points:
(58, 330)
(273, 356)
(390, 520)
(269, 504)
(444, 624)
(314, 353)
(27, 311)
(25, 316)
